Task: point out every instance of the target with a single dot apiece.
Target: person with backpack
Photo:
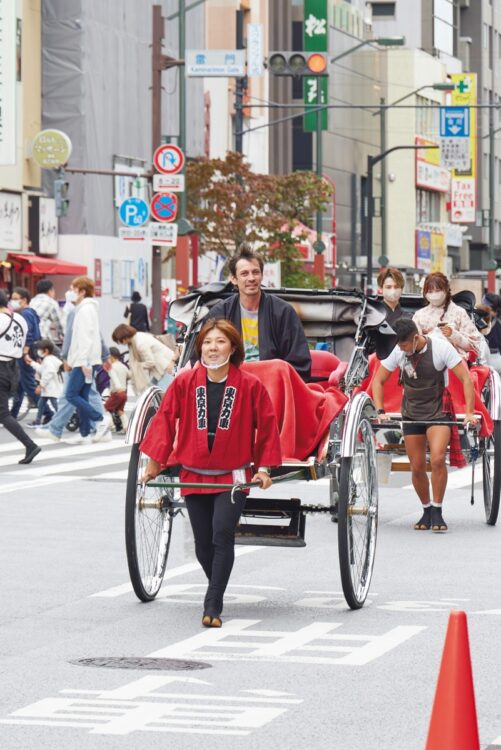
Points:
(150, 361)
(137, 313)
(13, 330)
(20, 302)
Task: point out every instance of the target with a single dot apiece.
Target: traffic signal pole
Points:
(319, 245)
(240, 86)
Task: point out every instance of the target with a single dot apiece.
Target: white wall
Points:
(129, 262)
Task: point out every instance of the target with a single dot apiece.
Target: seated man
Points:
(423, 363)
(270, 327)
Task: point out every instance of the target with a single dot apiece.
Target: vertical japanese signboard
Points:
(464, 182)
(315, 39)
(8, 33)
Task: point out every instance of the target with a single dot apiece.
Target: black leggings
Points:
(214, 519)
(9, 379)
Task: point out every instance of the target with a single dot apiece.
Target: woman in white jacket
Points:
(84, 354)
(150, 361)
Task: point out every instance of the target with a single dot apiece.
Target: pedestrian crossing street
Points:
(62, 462)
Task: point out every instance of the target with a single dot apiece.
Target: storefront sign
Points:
(429, 173)
(51, 148)
(423, 250)
(8, 33)
(438, 252)
(11, 237)
(463, 185)
(463, 200)
(98, 277)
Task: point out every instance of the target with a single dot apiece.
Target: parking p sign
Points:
(134, 212)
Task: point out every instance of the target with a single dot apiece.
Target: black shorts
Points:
(419, 428)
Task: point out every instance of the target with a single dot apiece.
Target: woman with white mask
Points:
(443, 317)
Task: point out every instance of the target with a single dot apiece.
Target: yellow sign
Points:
(438, 252)
(51, 149)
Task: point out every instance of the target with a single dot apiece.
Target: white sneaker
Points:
(102, 434)
(44, 432)
(79, 440)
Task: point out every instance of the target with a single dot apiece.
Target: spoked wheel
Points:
(357, 521)
(491, 465)
(148, 528)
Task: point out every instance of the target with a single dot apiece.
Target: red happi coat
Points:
(246, 433)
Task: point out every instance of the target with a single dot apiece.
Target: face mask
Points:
(15, 304)
(71, 296)
(40, 353)
(436, 299)
(392, 295)
(215, 367)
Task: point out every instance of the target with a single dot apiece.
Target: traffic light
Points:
(61, 187)
(297, 64)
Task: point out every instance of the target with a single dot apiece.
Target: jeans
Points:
(77, 393)
(43, 404)
(65, 410)
(27, 385)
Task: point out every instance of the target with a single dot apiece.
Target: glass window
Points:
(383, 9)
(427, 206)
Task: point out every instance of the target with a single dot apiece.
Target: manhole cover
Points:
(131, 662)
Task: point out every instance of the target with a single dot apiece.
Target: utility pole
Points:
(371, 162)
(319, 244)
(382, 125)
(241, 85)
(492, 265)
(160, 62)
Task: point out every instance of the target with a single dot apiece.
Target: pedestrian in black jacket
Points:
(270, 327)
(137, 313)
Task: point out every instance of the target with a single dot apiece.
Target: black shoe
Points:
(424, 523)
(438, 524)
(31, 452)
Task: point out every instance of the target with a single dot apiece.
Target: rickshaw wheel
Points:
(357, 521)
(148, 529)
(491, 465)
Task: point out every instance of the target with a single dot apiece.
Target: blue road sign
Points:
(454, 122)
(134, 212)
(164, 206)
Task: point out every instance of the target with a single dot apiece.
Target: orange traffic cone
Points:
(453, 723)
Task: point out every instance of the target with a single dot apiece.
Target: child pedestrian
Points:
(51, 380)
(115, 403)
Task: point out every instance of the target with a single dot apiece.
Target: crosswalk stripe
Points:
(59, 451)
(91, 463)
(39, 482)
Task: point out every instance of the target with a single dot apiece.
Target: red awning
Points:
(29, 263)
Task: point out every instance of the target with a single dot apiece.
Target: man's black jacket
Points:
(281, 334)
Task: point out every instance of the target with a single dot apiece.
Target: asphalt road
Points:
(291, 667)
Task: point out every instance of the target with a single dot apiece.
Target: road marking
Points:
(33, 483)
(181, 570)
(238, 642)
(91, 463)
(141, 706)
(59, 452)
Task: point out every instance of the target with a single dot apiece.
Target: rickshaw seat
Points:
(304, 413)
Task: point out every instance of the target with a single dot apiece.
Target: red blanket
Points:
(304, 413)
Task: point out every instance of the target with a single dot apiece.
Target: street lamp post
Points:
(440, 86)
(371, 162)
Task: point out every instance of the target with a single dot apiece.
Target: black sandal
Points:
(424, 523)
(438, 524)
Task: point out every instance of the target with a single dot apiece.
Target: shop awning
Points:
(29, 263)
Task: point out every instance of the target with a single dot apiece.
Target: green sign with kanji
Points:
(315, 39)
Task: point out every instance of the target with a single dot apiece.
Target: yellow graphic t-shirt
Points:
(250, 333)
